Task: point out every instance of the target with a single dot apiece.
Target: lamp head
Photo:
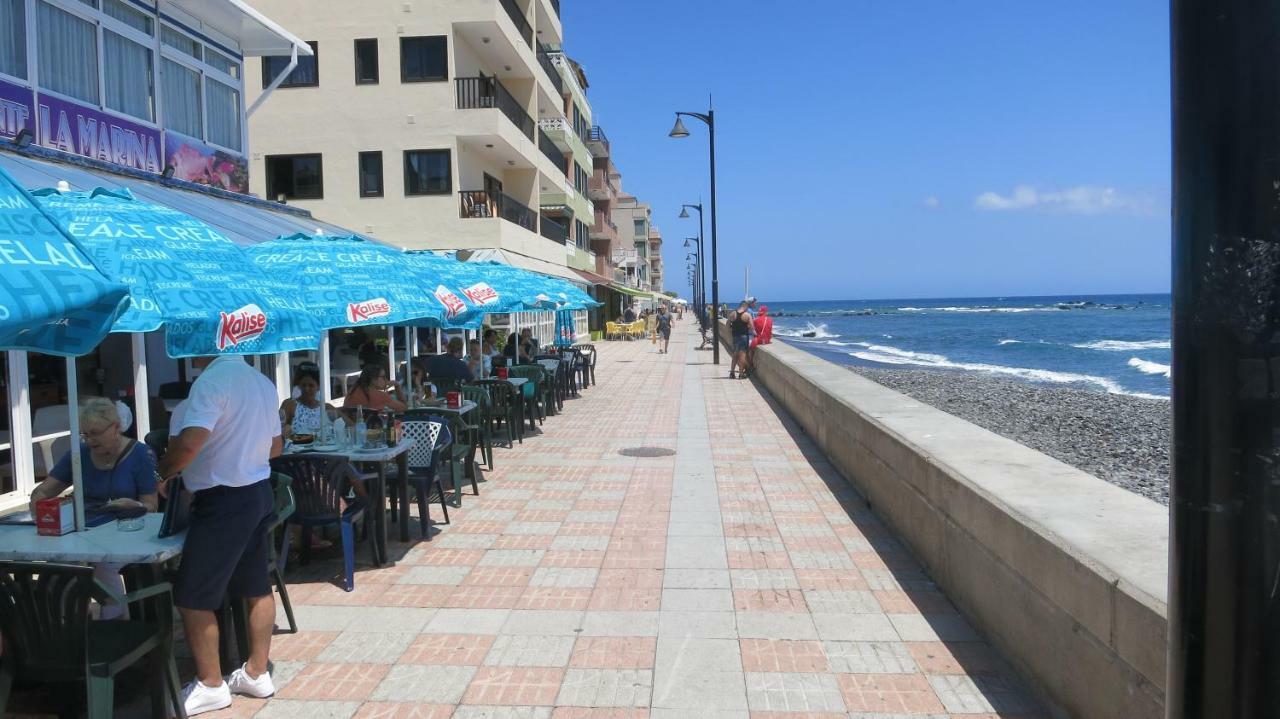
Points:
(678, 129)
(684, 213)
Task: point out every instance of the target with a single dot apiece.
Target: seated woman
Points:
(517, 349)
(480, 364)
(116, 470)
(374, 392)
(306, 414)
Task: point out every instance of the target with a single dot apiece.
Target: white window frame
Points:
(207, 72)
(28, 81)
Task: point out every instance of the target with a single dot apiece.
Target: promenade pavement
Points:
(736, 576)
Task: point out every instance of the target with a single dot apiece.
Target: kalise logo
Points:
(361, 311)
(453, 304)
(244, 324)
(481, 294)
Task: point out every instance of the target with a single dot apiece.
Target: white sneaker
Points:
(198, 698)
(241, 683)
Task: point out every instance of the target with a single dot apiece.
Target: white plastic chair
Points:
(52, 420)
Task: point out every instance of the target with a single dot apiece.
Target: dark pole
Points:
(1224, 569)
(715, 263)
(702, 268)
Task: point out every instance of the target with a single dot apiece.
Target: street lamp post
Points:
(684, 215)
(699, 290)
(678, 130)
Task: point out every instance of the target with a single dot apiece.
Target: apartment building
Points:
(440, 124)
(637, 256)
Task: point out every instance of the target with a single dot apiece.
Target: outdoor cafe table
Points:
(101, 544)
(380, 456)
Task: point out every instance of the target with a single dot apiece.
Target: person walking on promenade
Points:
(742, 327)
(229, 432)
(663, 322)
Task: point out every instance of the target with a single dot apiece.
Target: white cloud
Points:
(932, 202)
(1081, 200)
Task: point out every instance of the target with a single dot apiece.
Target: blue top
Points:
(448, 367)
(134, 476)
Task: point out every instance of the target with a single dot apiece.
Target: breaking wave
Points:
(809, 332)
(894, 356)
(1149, 367)
(1124, 345)
(1010, 342)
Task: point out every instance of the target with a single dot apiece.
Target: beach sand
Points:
(1122, 439)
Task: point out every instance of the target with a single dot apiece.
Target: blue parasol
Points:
(468, 291)
(183, 276)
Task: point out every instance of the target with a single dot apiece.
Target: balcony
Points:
(601, 187)
(486, 93)
(522, 22)
(544, 59)
(553, 230)
(552, 152)
(625, 258)
(555, 5)
(597, 141)
(604, 229)
(477, 204)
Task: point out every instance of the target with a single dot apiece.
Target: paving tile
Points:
(696, 555)
(552, 598)
(769, 600)
(697, 600)
(870, 657)
(793, 692)
(709, 625)
(685, 654)
(404, 710)
(517, 686)
(972, 658)
(406, 620)
(334, 682)
(448, 575)
(512, 558)
(625, 599)
(482, 712)
(291, 709)
(530, 651)
(537, 622)
(448, 649)
(581, 543)
(855, 628)
(454, 540)
(606, 688)
(600, 713)
(614, 653)
(933, 628)
(972, 695)
(841, 601)
(564, 578)
(302, 646)
(424, 683)
(743, 579)
(467, 621)
(619, 624)
(776, 625)
(695, 579)
(699, 691)
(888, 693)
(366, 647)
(783, 655)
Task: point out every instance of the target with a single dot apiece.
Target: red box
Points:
(55, 517)
(503, 373)
(453, 399)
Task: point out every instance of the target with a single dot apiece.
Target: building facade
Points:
(437, 124)
(637, 256)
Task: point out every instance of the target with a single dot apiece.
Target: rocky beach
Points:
(1121, 439)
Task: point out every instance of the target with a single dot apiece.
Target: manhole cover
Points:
(647, 452)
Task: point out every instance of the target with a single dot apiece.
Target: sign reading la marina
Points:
(71, 128)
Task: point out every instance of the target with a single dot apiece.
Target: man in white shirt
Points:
(229, 431)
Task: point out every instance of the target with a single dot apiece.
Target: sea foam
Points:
(814, 332)
(895, 356)
(1124, 345)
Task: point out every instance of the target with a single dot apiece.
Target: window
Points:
(132, 17)
(68, 52)
(295, 177)
(427, 172)
(371, 174)
(181, 42)
(129, 87)
(367, 62)
(222, 63)
(424, 59)
(183, 107)
(306, 74)
(13, 38)
(640, 231)
(224, 114)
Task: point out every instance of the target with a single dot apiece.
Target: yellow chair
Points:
(612, 331)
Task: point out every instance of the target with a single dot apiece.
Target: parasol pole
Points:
(141, 393)
(391, 353)
(77, 470)
(325, 372)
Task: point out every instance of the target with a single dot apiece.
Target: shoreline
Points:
(1122, 439)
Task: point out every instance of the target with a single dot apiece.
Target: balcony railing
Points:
(553, 230)
(555, 5)
(601, 186)
(522, 22)
(480, 203)
(483, 93)
(552, 152)
(596, 136)
(544, 59)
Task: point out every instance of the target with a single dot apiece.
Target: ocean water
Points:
(1107, 343)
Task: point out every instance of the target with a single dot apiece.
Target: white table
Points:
(102, 544)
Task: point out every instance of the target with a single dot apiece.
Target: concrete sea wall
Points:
(1064, 573)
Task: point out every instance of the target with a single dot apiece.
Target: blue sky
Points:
(896, 149)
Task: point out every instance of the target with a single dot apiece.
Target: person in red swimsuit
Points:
(764, 327)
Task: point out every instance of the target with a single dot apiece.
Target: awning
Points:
(524, 262)
(630, 291)
(594, 279)
(245, 221)
(257, 34)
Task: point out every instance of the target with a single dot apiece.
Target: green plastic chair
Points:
(483, 427)
(530, 391)
(48, 634)
(285, 507)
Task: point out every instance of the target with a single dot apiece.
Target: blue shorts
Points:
(741, 343)
(226, 552)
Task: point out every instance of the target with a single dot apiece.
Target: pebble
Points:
(1123, 440)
